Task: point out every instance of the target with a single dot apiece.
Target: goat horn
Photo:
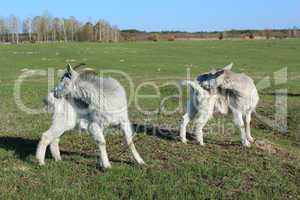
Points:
(79, 65)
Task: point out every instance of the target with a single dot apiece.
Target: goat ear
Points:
(219, 73)
(228, 67)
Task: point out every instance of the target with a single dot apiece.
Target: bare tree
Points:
(116, 34)
(14, 24)
(2, 29)
(27, 27)
(105, 31)
(98, 31)
(64, 29)
(72, 27)
(37, 27)
(45, 28)
(56, 29)
(77, 26)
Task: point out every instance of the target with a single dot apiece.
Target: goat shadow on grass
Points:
(24, 147)
(173, 135)
(21, 146)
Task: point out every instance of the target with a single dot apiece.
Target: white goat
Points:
(96, 101)
(224, 91)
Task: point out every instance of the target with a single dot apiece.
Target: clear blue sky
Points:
(190, 15)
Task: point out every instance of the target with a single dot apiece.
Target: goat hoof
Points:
(184, 141)
(102, 168)
(107, 167)
(57, 159)
(141, 162)
(251, 139)
(41, 163)
(246, 144)
(202, 144)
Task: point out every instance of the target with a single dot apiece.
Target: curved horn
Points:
(79, 65)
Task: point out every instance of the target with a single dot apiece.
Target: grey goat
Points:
(222, 91)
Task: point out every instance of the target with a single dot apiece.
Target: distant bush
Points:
(221, 36)
(154, 37)
(251, 36)
(171, 38)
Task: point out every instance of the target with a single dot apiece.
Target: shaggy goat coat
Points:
(103, 102)
(221, 91)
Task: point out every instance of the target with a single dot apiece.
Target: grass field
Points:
(221, 170)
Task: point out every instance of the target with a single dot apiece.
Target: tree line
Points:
(138, 35)
(46, 28)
